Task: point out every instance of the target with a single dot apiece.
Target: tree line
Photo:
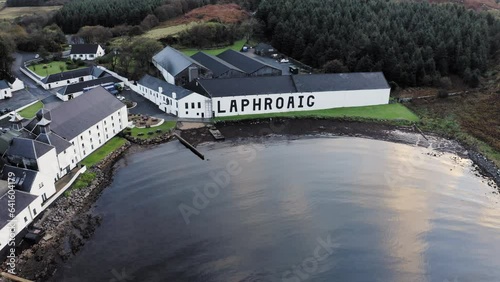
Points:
(412, 43)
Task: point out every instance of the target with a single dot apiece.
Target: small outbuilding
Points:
(86, 52)
(266, 50)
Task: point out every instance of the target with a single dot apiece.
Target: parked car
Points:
(284, 60)
(121, 98)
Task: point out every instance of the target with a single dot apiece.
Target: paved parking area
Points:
(144, 106)
(19, 99)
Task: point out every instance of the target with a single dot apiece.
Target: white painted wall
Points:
(164, 102)
(320, 100)
(195, 106)
(67, 82)
(23, 219)
(5, 93)
(17, 85)
(168, 77)
(98, 134)
(43, 185)
(88, 57)
(48, 164)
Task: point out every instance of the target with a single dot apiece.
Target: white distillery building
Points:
(173, 99)
(86, 52)
(274, 94)
(207, 98)
(72, 76)
(49, 146)
(6, 87)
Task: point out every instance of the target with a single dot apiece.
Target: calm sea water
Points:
(324, 209)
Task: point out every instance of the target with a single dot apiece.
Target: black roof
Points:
(242, 62)
(340, 81)
(23, 179)
(3, 84)
(247, 86)
(80, 86)
(27, 148)
(290, 84)
(174, 61)
(263, 47)
(84, 48)
(55, 140)
(73, 117)
(23, 200)
(215, 64)
(155, 83)
(68, 75)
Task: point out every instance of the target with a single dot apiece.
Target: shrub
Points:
(150, 133)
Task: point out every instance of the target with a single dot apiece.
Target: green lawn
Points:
(382, 112)
(236, 46)
(162, 32)
(51, 68)
(103, 151)
(30, 111)
(164, 127)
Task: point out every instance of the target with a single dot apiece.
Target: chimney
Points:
(16, 121)
(174, 95)
(160, 90)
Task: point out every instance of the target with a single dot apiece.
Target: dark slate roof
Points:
(6, 138)
(264, 47)
(154, 83)
(79, 87)
(290, 84)
(73, 117)
(174, 61)
(28, 148)
(340, 81)
(23, 200)
(242, 62)
(3, 84)
(23, 179)
(68, 75)
(247, 86)
(215, 64)
(55, 140)
(84, 48)
(97, 72)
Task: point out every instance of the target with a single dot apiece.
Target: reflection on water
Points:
(327, 209)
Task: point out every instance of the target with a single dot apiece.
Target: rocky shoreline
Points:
(70, 223)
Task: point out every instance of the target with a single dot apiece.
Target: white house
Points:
(5, 91)
(173, 99)
(272, 94)
(49, 146)
(86, 51)
(16, 85)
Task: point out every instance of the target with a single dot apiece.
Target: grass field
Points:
(11, 13)
(52, 68)
(236, 46)
(164, 127)
(382, 112)
(30, 111)
(103, 151)
(162, 32)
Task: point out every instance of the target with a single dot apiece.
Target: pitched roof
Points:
(23, 177)
(75, 116)
(247, 86)
(174, 61)
(80, 86)
(264, 47)
(215, 64)
(4, 84)
(23, 200)
(84, 48)
(242, 62)
(28, 148)
(340, 81)
(290, 84)
(55, 140)
(154, 83)
(68, 75)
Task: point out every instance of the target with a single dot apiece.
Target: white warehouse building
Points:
(207, 98)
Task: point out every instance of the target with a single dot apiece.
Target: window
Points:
(192, 105)
(25, 219)
(104, 122)
(199, 105)
(98, 134)
(92, 147)
(98, 127)
(107, 136)
(186, 105)
(113, 124)
(90, 139)
(34, 211)
(111, 117)
(81, 137)
(83, 145)
(90, 132)
(197, 114)
(65, 152)
(40, 185)
(187, 113)
(67, 81)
